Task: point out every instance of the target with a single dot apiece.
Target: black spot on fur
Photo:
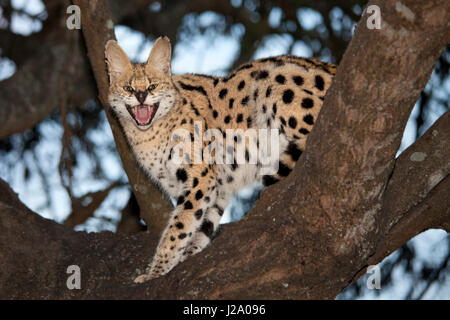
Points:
(179, 225)
(307, 103)
(230, 104)
(319, 82)
(227, 119)
(268, 91)
(244, 100)
(280, 79)
(298, 80)
(195, 109)
(188, 205)
(259, 75)
(198, 214)
(207, 228)
(239, 118)
(181, 175)
(309, 119)
(274, 108)
(193, 88)
(288, 96)
(283, 170)
(198, 195)
(204, 172)
(255, 94)
(292, 122)
(249, 122)
(195, 183)
(223, 93)
(303, 131)
(293, 151)
(182, 235)
(241, 85)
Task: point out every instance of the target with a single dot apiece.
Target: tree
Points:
(348, 203)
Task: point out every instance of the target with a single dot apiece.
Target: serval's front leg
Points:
(218, 199)
(185, 220)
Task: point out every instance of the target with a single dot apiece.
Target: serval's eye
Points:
(128, 88)
(152, 87)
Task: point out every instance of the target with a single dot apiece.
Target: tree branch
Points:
(308, 235)
(416, 198)
(37, 87)
(97, 29)
(81, 211)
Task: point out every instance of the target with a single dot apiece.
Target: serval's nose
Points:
(140, 96)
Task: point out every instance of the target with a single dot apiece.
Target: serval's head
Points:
(141, 92)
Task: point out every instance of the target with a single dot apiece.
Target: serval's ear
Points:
(117, 60)
(159, 58)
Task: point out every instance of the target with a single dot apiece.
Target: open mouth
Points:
(143, 114)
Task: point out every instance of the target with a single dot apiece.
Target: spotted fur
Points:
(284, 93)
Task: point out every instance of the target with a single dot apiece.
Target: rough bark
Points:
(98, 28)
(346, 205)
(46, 63)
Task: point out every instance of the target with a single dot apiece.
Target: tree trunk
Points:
(347, 204)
